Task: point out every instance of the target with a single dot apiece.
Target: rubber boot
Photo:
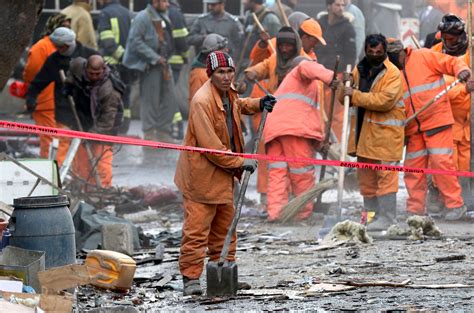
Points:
(191, 287)
(387, 212)
(371, 204)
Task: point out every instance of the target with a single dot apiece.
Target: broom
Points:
(290, 210)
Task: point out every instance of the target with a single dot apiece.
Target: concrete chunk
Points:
(118, 238)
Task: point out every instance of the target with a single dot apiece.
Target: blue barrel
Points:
(45, 224)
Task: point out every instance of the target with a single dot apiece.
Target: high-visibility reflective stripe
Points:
(301, 170)
(115, 28)
(127, 113)
(391, 122)
(180, 33)
(425, 87)
(274, 165)
(400, 104)
(176, 59)
(118, 53)
(431, 151)
(106, 34)
(110, 60)
(177, 117)
(295, 96)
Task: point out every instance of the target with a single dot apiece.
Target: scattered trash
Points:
(348, 231)
(421, 227)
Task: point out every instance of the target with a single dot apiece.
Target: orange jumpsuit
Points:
(430, 138)
(460, 101)
(292, 130)
(44, 112)
(207, 180)
(265, 63)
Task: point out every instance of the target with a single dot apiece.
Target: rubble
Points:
(422, 227)
(348, 231)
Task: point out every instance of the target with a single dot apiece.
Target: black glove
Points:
(30, 104)
(267, 103)
(250, 165)
(464, 75)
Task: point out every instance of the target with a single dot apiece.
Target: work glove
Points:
(464, 75)
(470, 86)
(334, 84)
(267, 103)
(30, 104)
(348, 91)
(250, 165)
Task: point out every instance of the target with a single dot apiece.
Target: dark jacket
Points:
(101, 101)
(144, 48)
(340, 39)
(50, 73)
(180, 33)
(113, 28)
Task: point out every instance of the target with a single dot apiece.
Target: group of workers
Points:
(389, 84)
(273, 61)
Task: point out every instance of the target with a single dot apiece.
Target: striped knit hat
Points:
(218, 59)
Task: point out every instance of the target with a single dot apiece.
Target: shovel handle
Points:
(243, 189)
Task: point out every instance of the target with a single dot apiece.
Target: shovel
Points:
(222, 278)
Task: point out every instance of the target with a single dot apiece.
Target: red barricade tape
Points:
(42, 130)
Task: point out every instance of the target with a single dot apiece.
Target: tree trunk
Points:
(18, 22)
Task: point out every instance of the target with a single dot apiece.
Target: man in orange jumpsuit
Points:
(430, 135)
(455, 43)
(377, 129)
(39, 52)
(207, 180)
(295, 129)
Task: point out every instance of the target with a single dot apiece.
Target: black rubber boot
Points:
(371, 204)
(387, 213)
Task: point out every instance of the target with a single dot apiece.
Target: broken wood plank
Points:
(381, 283)
(166, 279)
(446, 286)
(457, 257)
(325, 287)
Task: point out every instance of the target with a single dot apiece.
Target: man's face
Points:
(222, 78)
(287, 50)
(376, 51)
(94, 74)
(308, 43)
(216, 8)
(449, 40)
(337, 8)
(160, 5)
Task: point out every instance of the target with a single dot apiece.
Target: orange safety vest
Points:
(425, 70)
(460, 101)
(297, 111)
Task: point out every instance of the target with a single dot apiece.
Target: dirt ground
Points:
(286, 265)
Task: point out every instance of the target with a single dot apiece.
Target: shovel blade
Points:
(221, 280)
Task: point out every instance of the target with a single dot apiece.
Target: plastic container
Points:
(45, 224)
(110, 269)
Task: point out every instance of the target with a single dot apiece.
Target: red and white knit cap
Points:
(218, 59)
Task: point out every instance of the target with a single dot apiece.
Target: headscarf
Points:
(289, 35)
